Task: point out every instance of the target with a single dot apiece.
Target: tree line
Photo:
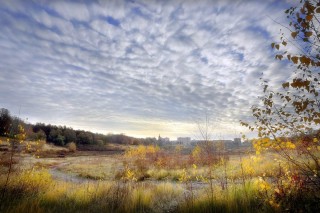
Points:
(62, 135)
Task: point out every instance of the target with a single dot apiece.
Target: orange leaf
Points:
(309, 17)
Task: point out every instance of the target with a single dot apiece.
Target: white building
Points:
(163, 140)
(184, 140)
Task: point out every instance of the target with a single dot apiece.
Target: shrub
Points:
(72, 146)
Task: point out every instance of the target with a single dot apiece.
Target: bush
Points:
(72, 146)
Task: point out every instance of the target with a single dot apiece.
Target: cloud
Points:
(71, 10)
(137, 67)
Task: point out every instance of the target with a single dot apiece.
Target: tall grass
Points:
(237, 198)
(35, 191)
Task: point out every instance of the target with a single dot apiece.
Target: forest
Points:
(62, 135)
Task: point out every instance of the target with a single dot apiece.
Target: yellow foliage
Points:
(32, 179)
(266, 143)
(21, 136)
(262, 185)
(196, 152)
(129, 175)
(184, 176)
(290, 145)
(248, 167)
(142, 151)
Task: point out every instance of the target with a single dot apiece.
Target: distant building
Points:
(237, 141)
(166, 139)
(247, 144)
(228, 144)
(163, 140)
(183, 140)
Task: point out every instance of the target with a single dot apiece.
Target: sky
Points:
(141, 68)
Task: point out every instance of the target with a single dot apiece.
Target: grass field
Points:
(140, 181)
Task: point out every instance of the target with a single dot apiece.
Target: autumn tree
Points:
(287, 119)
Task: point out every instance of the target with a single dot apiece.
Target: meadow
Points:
(149, 179)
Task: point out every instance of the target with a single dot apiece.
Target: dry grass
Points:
(93, 167)
(35, 191)
(169, 189)
(51, 147)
